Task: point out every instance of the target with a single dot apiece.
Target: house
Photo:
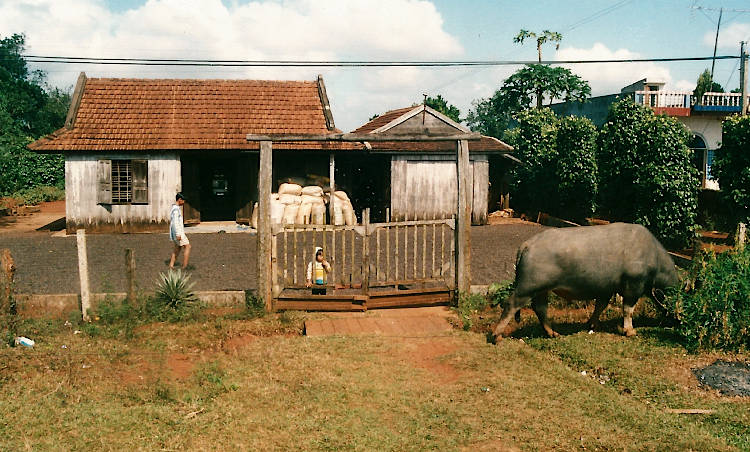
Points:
(131, 144)
(422, 175)
(703, 117)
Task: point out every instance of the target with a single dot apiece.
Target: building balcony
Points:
(679, 103)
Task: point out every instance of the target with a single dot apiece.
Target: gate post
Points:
(265, 273)
(463, 219)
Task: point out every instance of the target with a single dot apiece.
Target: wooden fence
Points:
(365, 256)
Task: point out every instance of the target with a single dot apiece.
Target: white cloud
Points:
(729, 36)
(610, 78)
(262, 29)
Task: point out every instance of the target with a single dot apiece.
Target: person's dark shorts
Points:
(319, 291)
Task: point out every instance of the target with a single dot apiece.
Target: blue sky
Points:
(382, 29)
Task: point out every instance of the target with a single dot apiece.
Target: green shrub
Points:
(732, 167)
(646, 174)
(35, 195)
(534, 183)
(716, 312)
(499, 292)
(576, 168)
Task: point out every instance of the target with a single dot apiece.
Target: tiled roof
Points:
(174, 114)
(382, 120)
(485, 144)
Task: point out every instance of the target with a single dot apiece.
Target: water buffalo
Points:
(585, 263)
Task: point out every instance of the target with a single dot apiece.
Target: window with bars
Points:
(122, 182)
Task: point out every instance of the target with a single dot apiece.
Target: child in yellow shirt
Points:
(317, 272)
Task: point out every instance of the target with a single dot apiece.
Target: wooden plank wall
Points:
(82, 210)
(424, 187)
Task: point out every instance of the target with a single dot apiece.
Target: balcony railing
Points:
(720, 102)
(667, 99)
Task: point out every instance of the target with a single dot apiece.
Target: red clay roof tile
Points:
(173, 114)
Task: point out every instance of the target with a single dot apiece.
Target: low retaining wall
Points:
(60, 305)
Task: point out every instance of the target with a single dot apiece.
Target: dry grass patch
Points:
(223, 383)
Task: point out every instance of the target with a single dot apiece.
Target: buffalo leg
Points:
(628, 306)
(601, 305)
(539, 303)
(512, 306)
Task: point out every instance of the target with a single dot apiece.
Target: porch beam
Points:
(362, 137)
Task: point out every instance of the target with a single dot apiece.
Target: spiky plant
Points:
(174, 290)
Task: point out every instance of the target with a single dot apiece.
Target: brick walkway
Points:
(391, 322)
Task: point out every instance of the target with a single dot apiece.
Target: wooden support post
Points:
(265, 284)
(463, 219)
(332, 183)
(366, 251)
(7, 305)
(130, 274)
(83, 273)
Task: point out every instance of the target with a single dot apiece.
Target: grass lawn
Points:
(221, 383)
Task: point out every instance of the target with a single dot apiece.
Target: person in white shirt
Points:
(177, 233)
(317, 272)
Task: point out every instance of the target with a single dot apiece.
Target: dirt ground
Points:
(48, 213)
(48, 264)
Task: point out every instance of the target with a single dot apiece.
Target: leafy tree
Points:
(28, 110)
(541, 39)
(732, 166)
(576, 168)
(645, 172)
(442, 105)
(706, 85)
(493, 115)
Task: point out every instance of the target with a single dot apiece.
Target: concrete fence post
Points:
(130, 274)
(83, 273)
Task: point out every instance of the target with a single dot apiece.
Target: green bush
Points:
(645, 173)
(35, 195)
(174, 299)
(576, 168)
(499, 292)
(534, 184)
(716, 312)
(732, 166)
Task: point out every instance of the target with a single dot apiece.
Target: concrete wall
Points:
(424, 187)
(708, 127)
(81, 186)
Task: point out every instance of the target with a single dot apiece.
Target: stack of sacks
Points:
(343, 211)
(313, 206)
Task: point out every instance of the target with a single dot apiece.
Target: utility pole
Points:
(716, 42)
(743, 78)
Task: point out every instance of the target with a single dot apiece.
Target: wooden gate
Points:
(378, 265)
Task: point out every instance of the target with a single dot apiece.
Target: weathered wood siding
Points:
(424, 187)
(82, 210)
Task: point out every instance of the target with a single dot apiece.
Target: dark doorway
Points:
(219, 188)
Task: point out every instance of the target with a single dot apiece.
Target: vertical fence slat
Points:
(424, 251)
(286, 257)
(442, 248)
(377, 255)
(396, 255)
(406, 252)
(416, 229)
(343, 257)
(334, 261)
(434, 244)
(294, 270)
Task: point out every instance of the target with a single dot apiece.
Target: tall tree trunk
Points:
(539, 90)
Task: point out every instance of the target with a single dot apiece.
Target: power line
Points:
(331, 63)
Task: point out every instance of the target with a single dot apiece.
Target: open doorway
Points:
(219, 188)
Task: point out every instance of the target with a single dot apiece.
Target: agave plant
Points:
(174, 290)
